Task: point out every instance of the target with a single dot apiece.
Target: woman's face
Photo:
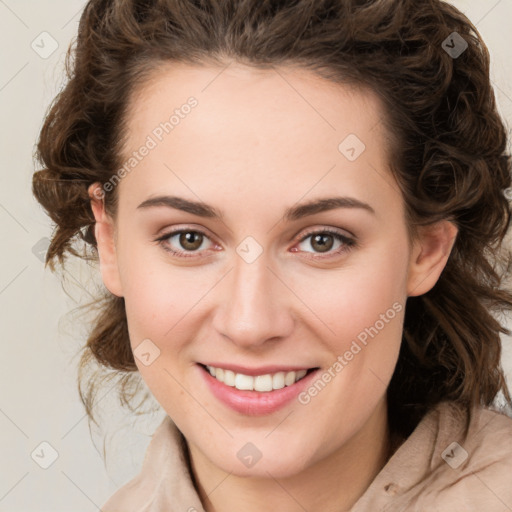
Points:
(261, 228)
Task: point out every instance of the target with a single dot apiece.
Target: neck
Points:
(332, 484)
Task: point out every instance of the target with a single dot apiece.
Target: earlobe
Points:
(429, 256)
(104, 233)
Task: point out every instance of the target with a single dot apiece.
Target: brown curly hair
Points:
(447, 145)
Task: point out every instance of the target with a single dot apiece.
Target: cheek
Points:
(157, 292)
(363, 308)
(159, 301)
(369, 291)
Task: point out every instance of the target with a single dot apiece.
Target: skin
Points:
(252, 147)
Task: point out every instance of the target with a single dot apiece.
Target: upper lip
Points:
(261, 370)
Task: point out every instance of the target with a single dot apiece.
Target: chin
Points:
(255, 460)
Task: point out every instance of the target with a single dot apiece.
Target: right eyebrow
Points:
(178, 203)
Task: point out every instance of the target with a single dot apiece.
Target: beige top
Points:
(434, 470)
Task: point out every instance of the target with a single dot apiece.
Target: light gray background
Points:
(40, 333)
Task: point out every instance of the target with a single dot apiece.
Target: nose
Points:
(254, 306)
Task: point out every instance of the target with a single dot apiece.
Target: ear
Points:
(429, 256)
(105, 237)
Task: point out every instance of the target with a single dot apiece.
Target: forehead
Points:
(257, 103)
(267, 130)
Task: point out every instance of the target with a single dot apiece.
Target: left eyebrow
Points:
(322, 205)
(291, 214)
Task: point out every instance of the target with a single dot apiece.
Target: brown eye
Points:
(190, 240)
(184, 242)
(322, 242)
(326, 241)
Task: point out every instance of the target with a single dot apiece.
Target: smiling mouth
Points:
(259, 383)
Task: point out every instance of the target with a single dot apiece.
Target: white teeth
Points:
(263, 383)
(266, 382)
(289, 378)
(278, 380)
(243, 381)
(229, 378)
(300, 374)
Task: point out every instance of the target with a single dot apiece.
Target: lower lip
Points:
(255, 403)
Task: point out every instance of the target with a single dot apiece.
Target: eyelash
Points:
(348, 243)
